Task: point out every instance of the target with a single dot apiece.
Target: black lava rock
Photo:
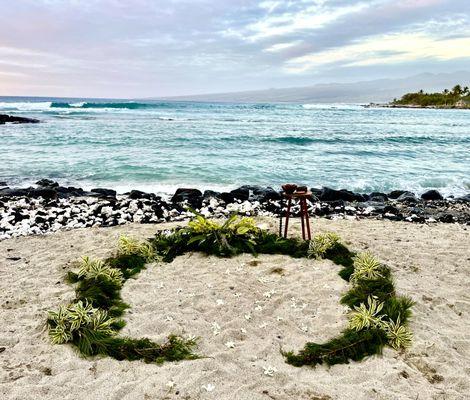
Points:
(227, 197)
(208, 194)
(407, 197)
(328, 194)
(242, 193)
(378, 196)
(432, 195)
(391, 209)
(465, 199)
(69, 191)
(16, 120)
(104, 192)
(316, 193)
(445, 217)
(266, 194)
(395, 194)
(47, 183)
(14, 192)
(47, 193)
(137, 194)
(192, 196)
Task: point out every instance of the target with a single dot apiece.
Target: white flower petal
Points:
(209, 387)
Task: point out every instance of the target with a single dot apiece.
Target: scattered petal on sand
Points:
(230, 344)
(269, 371)
(209, 387)
(269, 294)
(215, 328)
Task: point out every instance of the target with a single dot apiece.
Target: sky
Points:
(152, 48)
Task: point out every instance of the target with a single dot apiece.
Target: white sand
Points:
(430, 263)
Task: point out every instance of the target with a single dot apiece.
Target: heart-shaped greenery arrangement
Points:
(378, 316)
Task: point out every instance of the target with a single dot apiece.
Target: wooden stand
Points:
(304, 218)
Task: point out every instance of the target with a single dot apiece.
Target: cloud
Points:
(148, 47)
(386, 49)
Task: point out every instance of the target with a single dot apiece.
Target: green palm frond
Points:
(366, 266)
(399, 336)
(366, 316)
(321, 243)
(93, 269)
(131, 246)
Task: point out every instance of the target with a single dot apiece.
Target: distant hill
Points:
(381, 90)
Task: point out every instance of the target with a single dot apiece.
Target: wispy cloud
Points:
(148, 47)
(386, 50)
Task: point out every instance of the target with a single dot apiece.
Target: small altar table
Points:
(302, 198)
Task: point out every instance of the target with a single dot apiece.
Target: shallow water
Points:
(160, 146)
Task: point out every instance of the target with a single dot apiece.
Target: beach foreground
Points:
(289, 302)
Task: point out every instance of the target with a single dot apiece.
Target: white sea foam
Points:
(26, 106)
(79, 104)
(339, 106)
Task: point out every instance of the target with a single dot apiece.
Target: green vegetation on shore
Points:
(378, 317)
(458, 97)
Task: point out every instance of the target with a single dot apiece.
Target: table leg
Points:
(309, 235)
(302, 217)
(289, 203)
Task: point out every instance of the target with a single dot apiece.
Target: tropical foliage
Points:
(378, 317)
(321, 243)
(448, 98)
(92, 321)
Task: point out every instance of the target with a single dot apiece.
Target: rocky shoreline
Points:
(4, 118)
(49, 207)
(459, 106)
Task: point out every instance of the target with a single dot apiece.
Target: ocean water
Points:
(159, 146)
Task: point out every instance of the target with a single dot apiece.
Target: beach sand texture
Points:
(288, 302)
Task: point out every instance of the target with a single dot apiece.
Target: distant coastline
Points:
(417, 106)
(456, 98)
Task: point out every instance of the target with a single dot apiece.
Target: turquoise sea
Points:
(159, 146)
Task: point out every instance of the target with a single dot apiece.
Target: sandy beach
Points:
(261, 305)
